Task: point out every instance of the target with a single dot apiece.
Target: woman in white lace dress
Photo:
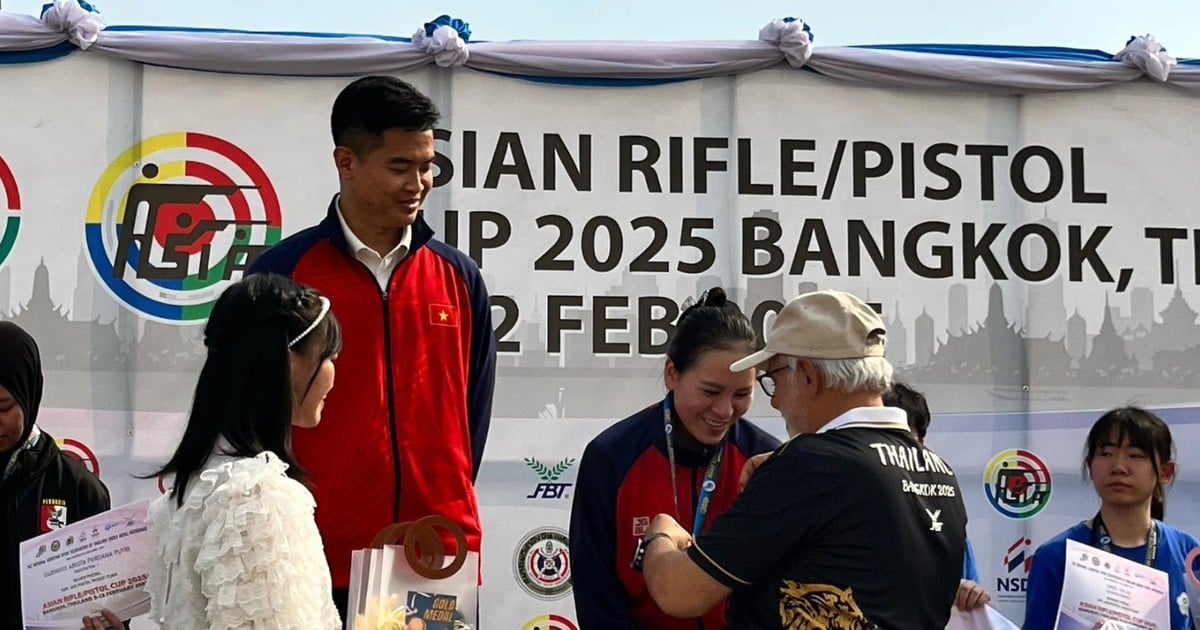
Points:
(237, 546)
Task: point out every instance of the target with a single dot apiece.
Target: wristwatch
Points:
(639, 554)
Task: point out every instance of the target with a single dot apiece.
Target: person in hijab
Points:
(41, 488)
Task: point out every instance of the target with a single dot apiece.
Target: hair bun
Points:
(715, 297)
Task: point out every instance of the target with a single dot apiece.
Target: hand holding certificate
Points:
(1102, 587)
(99, 562)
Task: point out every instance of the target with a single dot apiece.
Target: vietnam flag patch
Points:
(443, 315)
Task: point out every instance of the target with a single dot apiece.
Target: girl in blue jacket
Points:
(1129, 458)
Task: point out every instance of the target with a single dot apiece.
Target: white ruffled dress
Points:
(242, 552)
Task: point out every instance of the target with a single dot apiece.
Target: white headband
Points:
(313, 325)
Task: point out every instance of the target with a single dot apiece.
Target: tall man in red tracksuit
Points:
(406, 424)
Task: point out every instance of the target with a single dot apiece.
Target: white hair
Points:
(868, 374)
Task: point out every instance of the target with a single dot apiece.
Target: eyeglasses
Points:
(768, 382)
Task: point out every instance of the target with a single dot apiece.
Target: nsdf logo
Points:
(1012, 583)
(550, 487)
(174, 219)
(1017, 483)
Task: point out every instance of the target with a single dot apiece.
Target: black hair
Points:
(1143, 430)
(245, 392)
(914, 406)
(374, 104)
(711, 323)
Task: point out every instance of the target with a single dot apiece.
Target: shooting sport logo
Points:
(80, 452)
(550, 487)
(1017, 483)
(542, 564)
(174, 218)
(549, 622)
(10, 221)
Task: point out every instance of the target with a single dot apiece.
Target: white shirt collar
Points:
(359, 247)
(869, 418)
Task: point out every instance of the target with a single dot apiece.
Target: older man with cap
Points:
(851, 524)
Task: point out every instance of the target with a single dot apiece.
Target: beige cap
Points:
(822, 325)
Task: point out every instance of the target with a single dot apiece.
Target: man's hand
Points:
(666, 524)
(748, 469)
(106, 620)
(971, 596)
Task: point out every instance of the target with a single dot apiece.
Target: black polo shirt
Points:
(855, 527)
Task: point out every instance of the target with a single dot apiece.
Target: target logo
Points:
(1017, 483)
(80, 452)
(10, 221)
(174, 219)
(549, 622)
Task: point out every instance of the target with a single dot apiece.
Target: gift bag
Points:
(413, 584)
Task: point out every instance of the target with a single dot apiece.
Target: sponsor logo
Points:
(1012, 585)
(549, 622)
(1017, 483)
(174, 218)
(542, 564)
(550, 486)
(640, 525)
(80, 452)
(935, 524)
(10, 205)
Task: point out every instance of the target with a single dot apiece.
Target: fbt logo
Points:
(550, 486)
(1011, 585)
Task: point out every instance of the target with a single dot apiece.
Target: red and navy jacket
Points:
(624, 481)
(403, 430)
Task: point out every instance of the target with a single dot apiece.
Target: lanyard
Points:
(710, 475)
(35, 434)
(1100, 535)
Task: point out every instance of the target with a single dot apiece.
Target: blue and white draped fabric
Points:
(1146, 54)
(988, 69)
(77, 19)
(445, 39)
(793, 38)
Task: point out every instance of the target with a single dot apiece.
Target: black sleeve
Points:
(481, 383)
(791, 496)
(601, 602)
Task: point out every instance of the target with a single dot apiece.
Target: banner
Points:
(1034, 257)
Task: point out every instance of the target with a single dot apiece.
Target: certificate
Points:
(99, 562)
(1099, 586)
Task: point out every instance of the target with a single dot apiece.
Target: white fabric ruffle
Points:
(445, 46)
(242, 552)
(81, 26)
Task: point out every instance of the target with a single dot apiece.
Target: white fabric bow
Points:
(447, 48)
(81, 26)
(1147, 55)
(790, 38)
